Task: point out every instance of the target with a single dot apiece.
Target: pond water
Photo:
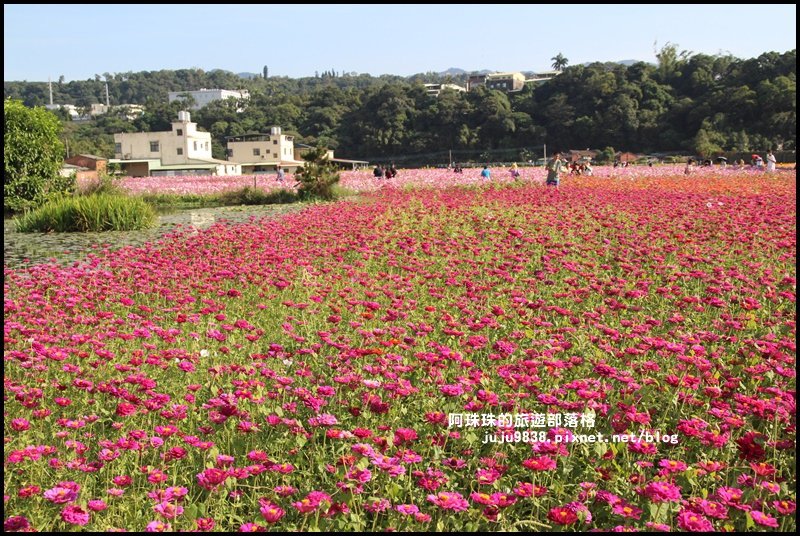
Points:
(25, 249)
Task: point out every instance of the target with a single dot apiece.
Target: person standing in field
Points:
(281, 174)
(555, 167)
(486, 174)
(770, 161)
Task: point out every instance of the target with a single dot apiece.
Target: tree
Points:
(32, 156)
(318, 177)
(559, 62)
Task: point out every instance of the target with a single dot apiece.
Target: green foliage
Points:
(256, 196)
(316, 180)
(559, 62)
(641, 108)
(606, 156)
(92, 213)
(32, 157)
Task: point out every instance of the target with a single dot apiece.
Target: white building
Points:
(204, 97)
(434, 90)
(71, 109)
(180, 151)
(263, 152)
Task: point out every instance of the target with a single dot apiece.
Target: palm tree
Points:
(559, 62)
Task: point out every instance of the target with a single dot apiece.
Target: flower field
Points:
(616, 354)
(363, 181)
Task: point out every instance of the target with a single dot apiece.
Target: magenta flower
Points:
(74, 515)
(16, 524)
(763, 519)
(449, 500)
(60, 495)
(272, 513)
(694, 522)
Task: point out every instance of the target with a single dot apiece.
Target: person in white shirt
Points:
(770, 161)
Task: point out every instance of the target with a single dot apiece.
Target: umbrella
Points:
(722, 158)
(756, 157)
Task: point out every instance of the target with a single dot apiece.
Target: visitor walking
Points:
(555, 167)
(281, 174)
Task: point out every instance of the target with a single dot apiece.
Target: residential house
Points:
(341, 163)
(90, 165)
(180, 151)
(575, 155)
(626, 157)
(204, 97)
(434, 90)
(475, 80)
(543, 76)
(259, 153)
(507, 82)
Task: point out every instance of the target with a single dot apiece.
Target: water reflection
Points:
(24, 249)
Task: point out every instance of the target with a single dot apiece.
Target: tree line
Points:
(692, 103)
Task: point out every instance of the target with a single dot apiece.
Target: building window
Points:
(274, 142)
(153, 146)
(179, 132)
(206, 146)
(118, 147)
(180, 151)
(256, 152)
(274, 155)
(195, 145)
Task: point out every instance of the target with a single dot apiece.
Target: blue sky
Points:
(79, 41)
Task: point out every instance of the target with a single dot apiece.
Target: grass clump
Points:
(88, 213)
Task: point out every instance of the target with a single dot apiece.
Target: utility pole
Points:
(545, 154)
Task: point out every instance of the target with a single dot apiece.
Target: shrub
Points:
(318, 177)
(32, 157)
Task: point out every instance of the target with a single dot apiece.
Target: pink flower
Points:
(449, 500)
(205, 524)
(694, 522)
(785, 507)
(16, 524)
(662, 492)
(763, 519)
(627, 510)
(211, 478)
(252, 527)
(20, 425)
(158, 526)
(168, 510)
(562, 515)
(407, 509)
(272, 513)
(404, 436)
(97, 505)
(542, 463)
(60, 495)
(74, 515)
